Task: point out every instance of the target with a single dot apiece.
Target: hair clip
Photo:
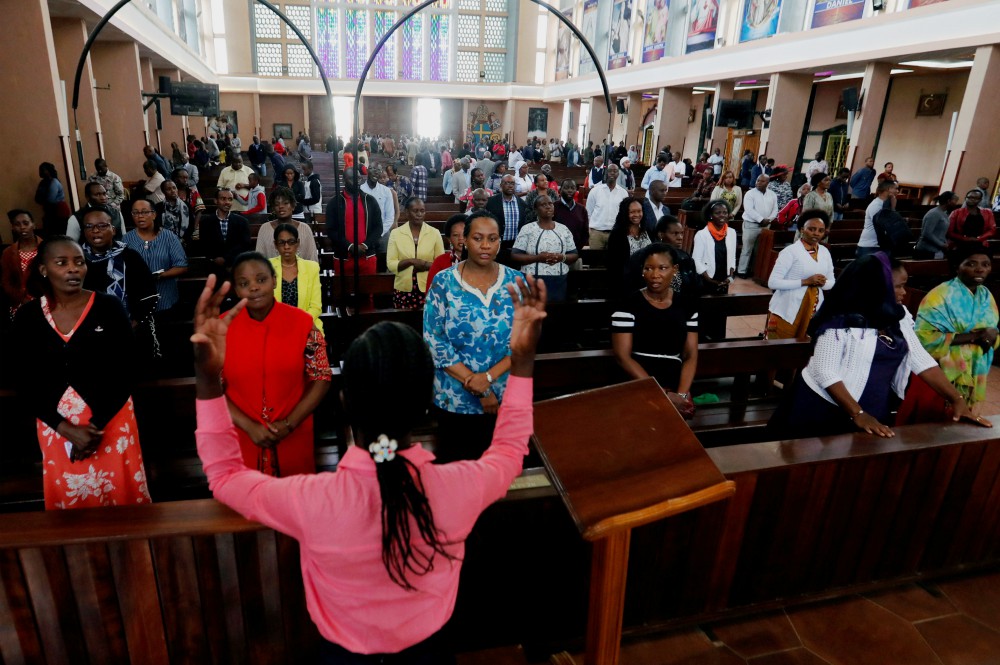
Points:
(383, 449)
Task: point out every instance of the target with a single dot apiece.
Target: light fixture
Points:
(939, 64)
(893, 72)
(878, 5)
(823, 74)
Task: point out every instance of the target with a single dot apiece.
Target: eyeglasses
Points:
(98, 227)
(143, 213)
(286, 243)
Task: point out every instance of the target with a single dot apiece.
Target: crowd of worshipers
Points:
(262, 366)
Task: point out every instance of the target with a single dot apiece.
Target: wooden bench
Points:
(813, 518)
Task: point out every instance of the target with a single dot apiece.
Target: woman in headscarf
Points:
(957, 325)
(864, 352)
(522, 181)
(625, 178)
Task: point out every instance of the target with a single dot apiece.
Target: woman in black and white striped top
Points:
(655, 333)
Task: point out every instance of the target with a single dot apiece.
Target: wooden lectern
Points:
(621, 457)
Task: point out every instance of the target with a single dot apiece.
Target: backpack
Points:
(892, 231)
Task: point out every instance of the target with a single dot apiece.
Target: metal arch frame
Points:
(114, 10)
(385, 38)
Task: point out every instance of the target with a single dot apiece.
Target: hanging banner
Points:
(563, 43)
(621, 24)
(831, 12)
(704, 18)
(590, 32)
(654, 43)
(760, 19)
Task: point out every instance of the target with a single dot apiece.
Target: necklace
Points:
(461, 276)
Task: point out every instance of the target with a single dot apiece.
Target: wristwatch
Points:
(684, 396)
(489, 377)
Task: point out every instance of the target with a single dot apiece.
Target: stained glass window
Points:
(468, 30)
(328, 41)
(494, 65)
(301, 17)
(439, 47)
(467, 67)
(385, 62)
(495, 33)
(266, 23)
(300, 63)
(412, 51)
(356, 47)
(269, 59)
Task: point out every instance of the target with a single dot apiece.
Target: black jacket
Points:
(97, 361)
(312, 189)
(237, 238)
(495, 205)
(140, 287)
(649, 218)
(336, 227)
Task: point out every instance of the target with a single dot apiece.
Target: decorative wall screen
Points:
(453, 40)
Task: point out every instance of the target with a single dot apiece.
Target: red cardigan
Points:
(956, 226)
(14, 283)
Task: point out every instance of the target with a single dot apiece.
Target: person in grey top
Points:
(932, 241)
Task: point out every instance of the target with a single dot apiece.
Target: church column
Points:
(671, 118)
(874, 91)
(788, 99)
(975, 145)
(633, 121)
(33, 106)
(574, 125)
(720, 135)
(599, 117)
(69, 36)
(149, 85)
(119, 84)
(508, 122)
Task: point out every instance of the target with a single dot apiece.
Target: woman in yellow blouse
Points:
(413, 246)
(298, 278)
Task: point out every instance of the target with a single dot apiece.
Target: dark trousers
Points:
(462, 436)
(432, 651)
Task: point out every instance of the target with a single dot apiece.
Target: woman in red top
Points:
(454, 229)
(970, 223)
(382, 538)
(276, 373)
(16, 259)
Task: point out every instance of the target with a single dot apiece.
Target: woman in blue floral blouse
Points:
(467, 322)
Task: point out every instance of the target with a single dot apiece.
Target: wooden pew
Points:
(811, 519)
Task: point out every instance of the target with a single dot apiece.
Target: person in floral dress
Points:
(80, 397)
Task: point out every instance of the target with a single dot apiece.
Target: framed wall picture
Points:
(284, 130)
(932, 104)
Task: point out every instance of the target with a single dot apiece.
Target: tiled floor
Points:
(953, 622)
(746, 326)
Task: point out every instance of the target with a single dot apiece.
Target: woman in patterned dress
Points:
(82, 403)
(17, 258)
(467, 322)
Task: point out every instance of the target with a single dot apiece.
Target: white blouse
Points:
(846, 354)
(793, 265)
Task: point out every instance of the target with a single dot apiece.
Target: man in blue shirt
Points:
(861, 182)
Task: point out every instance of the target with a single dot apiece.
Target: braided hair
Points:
(386, 355)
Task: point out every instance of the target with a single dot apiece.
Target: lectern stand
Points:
(621, 457)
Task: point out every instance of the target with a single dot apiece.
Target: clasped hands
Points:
(815, 280)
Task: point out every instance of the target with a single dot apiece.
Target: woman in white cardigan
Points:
(714, 257)
(802, 272)
(865, 350)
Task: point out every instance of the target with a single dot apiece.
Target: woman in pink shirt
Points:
(382, 539)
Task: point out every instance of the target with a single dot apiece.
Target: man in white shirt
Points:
(817, 165)
(236, 177)
(760, 208)
(514, 157)
(885, 194)
(658, 172)
(676, 170)
(716, 160)
(602, 207)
